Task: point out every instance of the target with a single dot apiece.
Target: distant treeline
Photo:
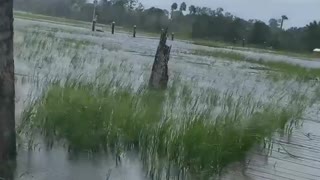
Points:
(190, 21)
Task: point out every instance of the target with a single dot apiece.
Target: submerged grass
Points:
(200, 137)
(287, 70)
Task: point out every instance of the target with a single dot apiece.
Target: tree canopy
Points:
(174, 6)
(183, 6)
(192, 9)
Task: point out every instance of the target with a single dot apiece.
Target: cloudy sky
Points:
(299, 12)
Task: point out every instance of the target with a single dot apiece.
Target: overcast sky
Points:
(299, 12)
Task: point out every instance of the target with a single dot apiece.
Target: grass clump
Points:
(93, 120)
(199, 141)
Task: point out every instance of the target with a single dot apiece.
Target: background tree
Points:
(312, 37)
(260, 33)
(7, 91)
(140, 7)
(174, 7)
(234, 30)
(292, 39)
(202, 22)
(192, 9)
(131, 4)
(283, 18)
(219, 11)
(183, 6)
(154, 19)
(274, 24)
(198, 9)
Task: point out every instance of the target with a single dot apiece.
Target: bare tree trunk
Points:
(159, 75)
(7, 91)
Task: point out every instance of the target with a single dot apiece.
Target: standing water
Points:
(46, 52)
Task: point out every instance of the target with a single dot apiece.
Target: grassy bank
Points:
(287, 70)
(254, 48)
(198, 135)
(59, 20)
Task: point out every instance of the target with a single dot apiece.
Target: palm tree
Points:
(7, 92)
(174, 7)
(192, 9)
(183, 7)
(284, 17)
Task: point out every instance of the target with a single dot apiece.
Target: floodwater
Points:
(46, 51)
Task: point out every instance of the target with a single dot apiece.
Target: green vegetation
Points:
(31, 16)
(215, 44)
(84, 24)
(199, 23)
(287, 70)
(56, 20)
(199, 135)
(254, 48)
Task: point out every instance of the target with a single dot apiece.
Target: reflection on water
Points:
(57, 163)
(7, 170)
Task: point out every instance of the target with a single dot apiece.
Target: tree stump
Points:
(7, 91)
(93, 25)
(159, 75)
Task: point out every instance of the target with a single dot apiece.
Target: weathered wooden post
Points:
(94, 21)
(93, 25)
(172, 36)
(134, 30)
(7, 89)
(159, 75)
(94, 17)
(112, 27)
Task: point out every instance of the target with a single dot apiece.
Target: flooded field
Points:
(48, 53)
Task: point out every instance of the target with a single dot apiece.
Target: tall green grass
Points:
(199, 136)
